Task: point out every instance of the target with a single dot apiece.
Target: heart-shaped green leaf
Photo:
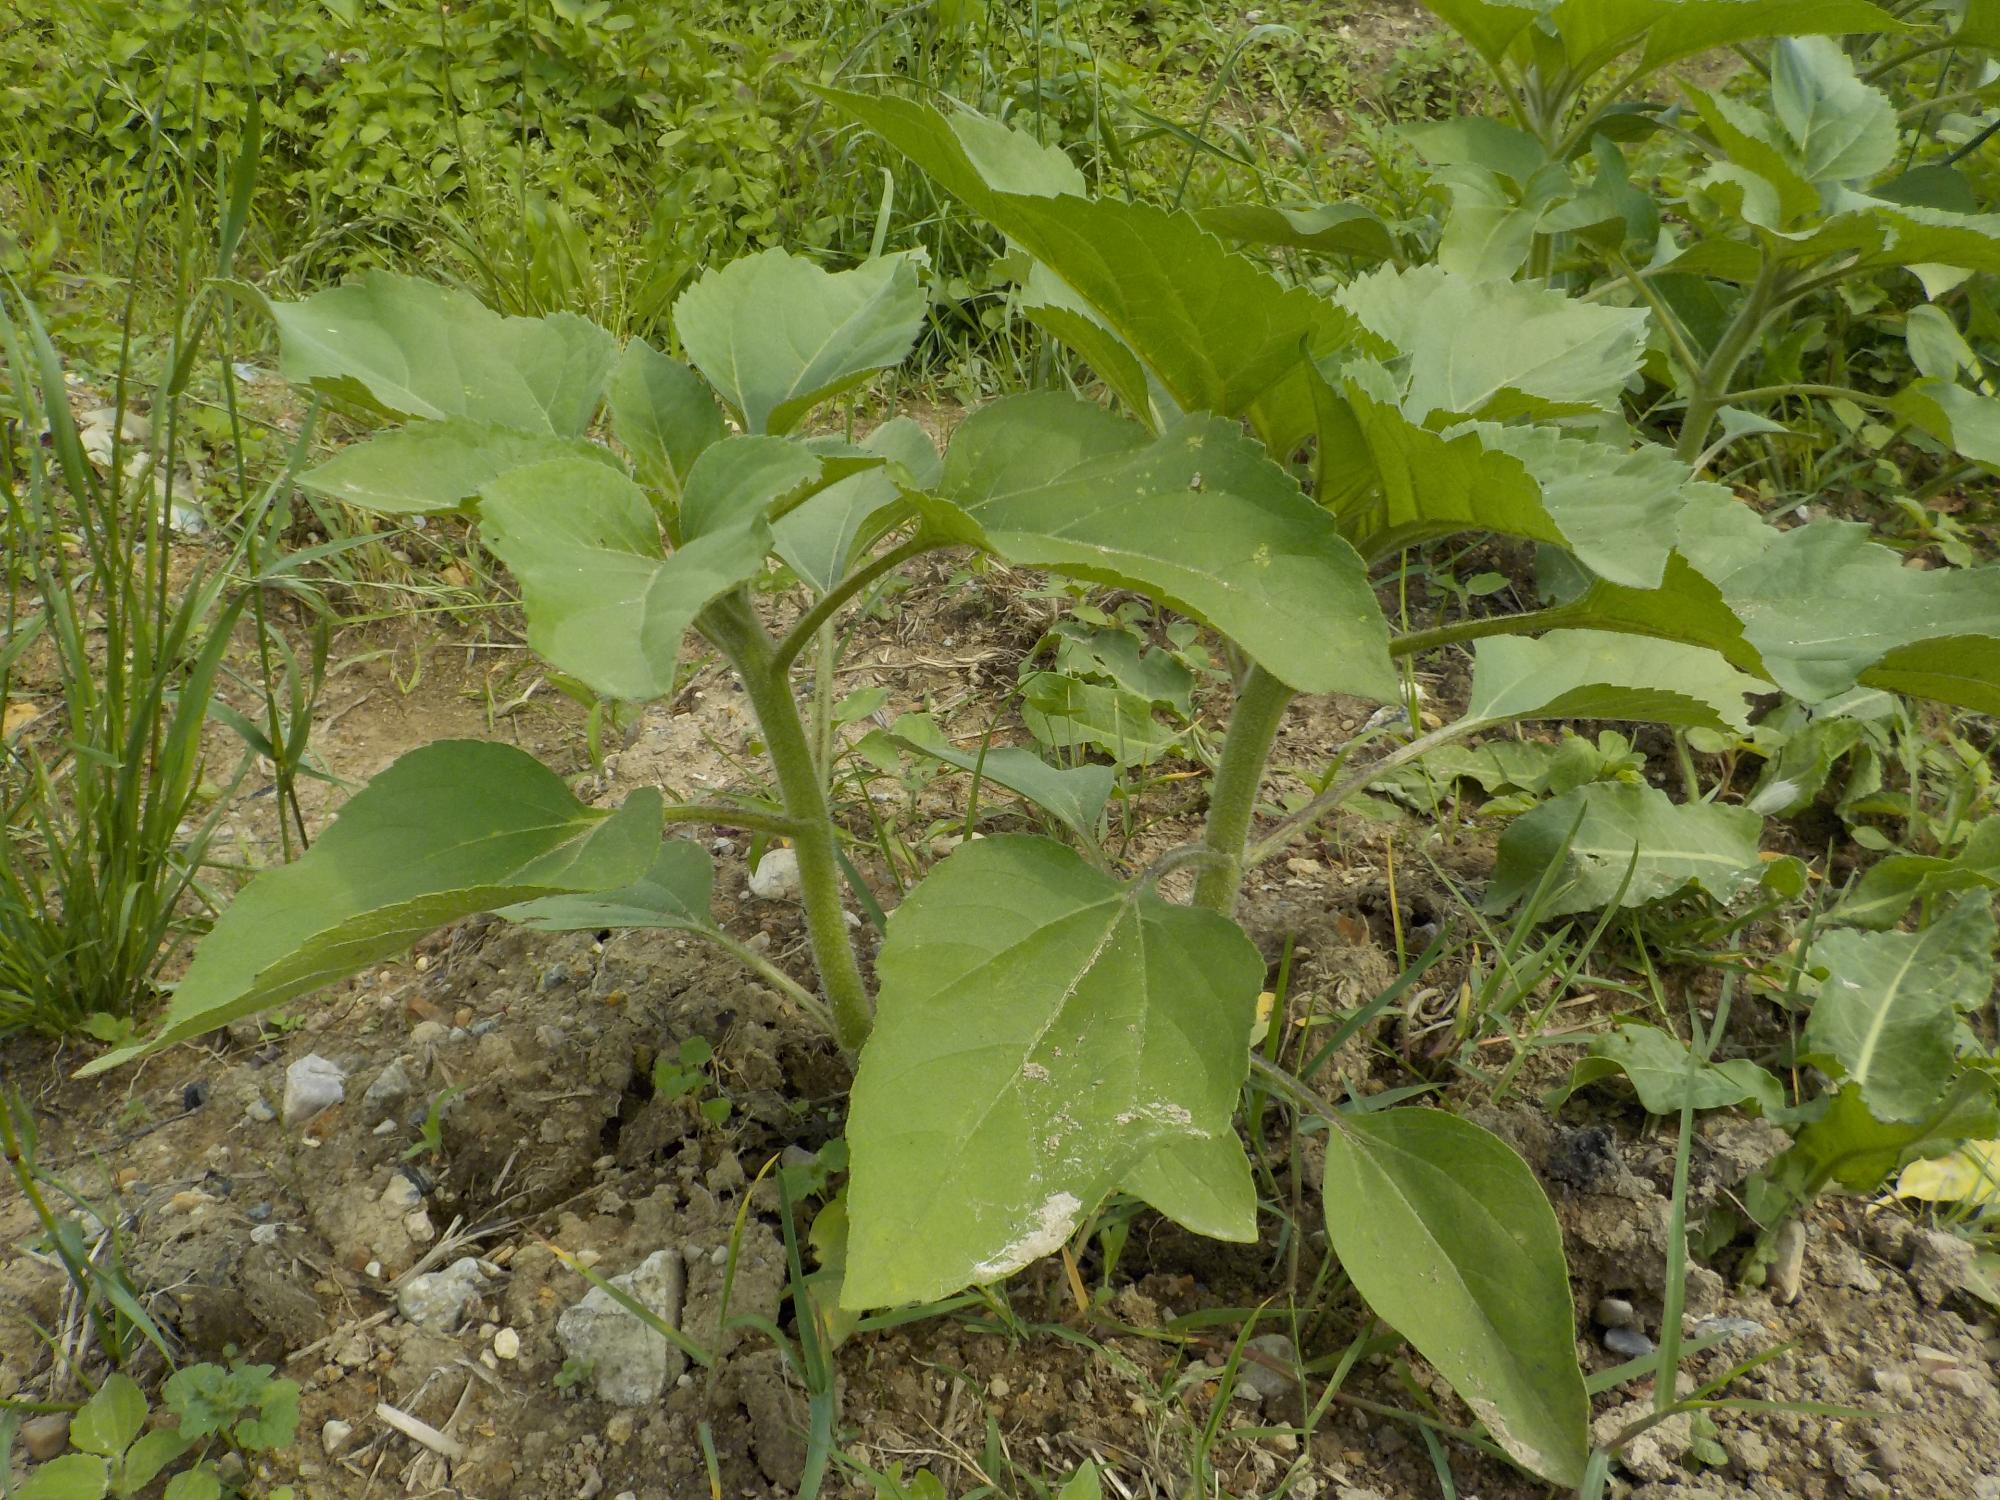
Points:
(661, 415)
(603, 601)
(1041, 1030)
(776, 335)
(1197, 517)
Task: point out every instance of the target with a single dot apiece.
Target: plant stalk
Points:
(736, 631)
(1232, 798)
(1714, 378)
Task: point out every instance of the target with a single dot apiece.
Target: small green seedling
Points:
(430, 1135)
(686, 1073)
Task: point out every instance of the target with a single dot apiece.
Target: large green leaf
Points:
(1668, 847)
(1217, 331)
(1594, 674)
(1822, 603)
(1197, 517)
(1848, 1146)
(661, 415)
(820, 538)
(1203, 1183)
(1887, 1011)
(1393, 483)
(603, 603)
(734, 483)
(1074, 797)
(421, 350)
(1447, 1235)
(1328, 228)
(1841, 129)
(1495, 349)
(1041, 1030)
(457, 827)
(432, 467)
(675, 893)
(1666, 1078)
(1885, 891)
(776, 335)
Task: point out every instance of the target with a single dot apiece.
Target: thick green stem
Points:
(1714, 377)
(1232, 799)
(1527, 622)
(734, 628)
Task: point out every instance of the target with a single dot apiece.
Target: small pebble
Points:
(312, 1084)
(334, 1435)
(1788, 1263)
(429, 1033)
(1262, 1377)
(417, 1225)
(259, 1112)
(486, 1027)
(1615, 1312)
(507, 1344)
(264, 1234)
(373, 1268)
(45, 1436)
(1628, 1343)
(194, 1096)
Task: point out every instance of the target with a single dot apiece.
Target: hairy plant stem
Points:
(1232, 798)
(736, 631)
(1527, 622)
(1712, 380)
(722, 815)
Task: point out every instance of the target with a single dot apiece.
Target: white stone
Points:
(418, 1226)
(630, 1362)
(507, 1344)
(312, 1084)
(401, 1195)
(438, 1301)
(334, 1435)
(776, 877)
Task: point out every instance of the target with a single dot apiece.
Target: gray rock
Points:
(631, 1363)
(1615, 1312)
(312, 1084)
(1627, 1343)
(258, 1112)
(1263, 1378)
(387, 1095)
(1941, 1264)
(438, 1301)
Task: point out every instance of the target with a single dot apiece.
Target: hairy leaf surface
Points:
(1888, 1009)
(1596, 674)
(1676, 846)
(776, 335)
(1197, 517)
(428, 468)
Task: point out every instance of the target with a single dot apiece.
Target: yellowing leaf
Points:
(1971, 1174)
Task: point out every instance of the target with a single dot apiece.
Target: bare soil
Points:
(288, 1243)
